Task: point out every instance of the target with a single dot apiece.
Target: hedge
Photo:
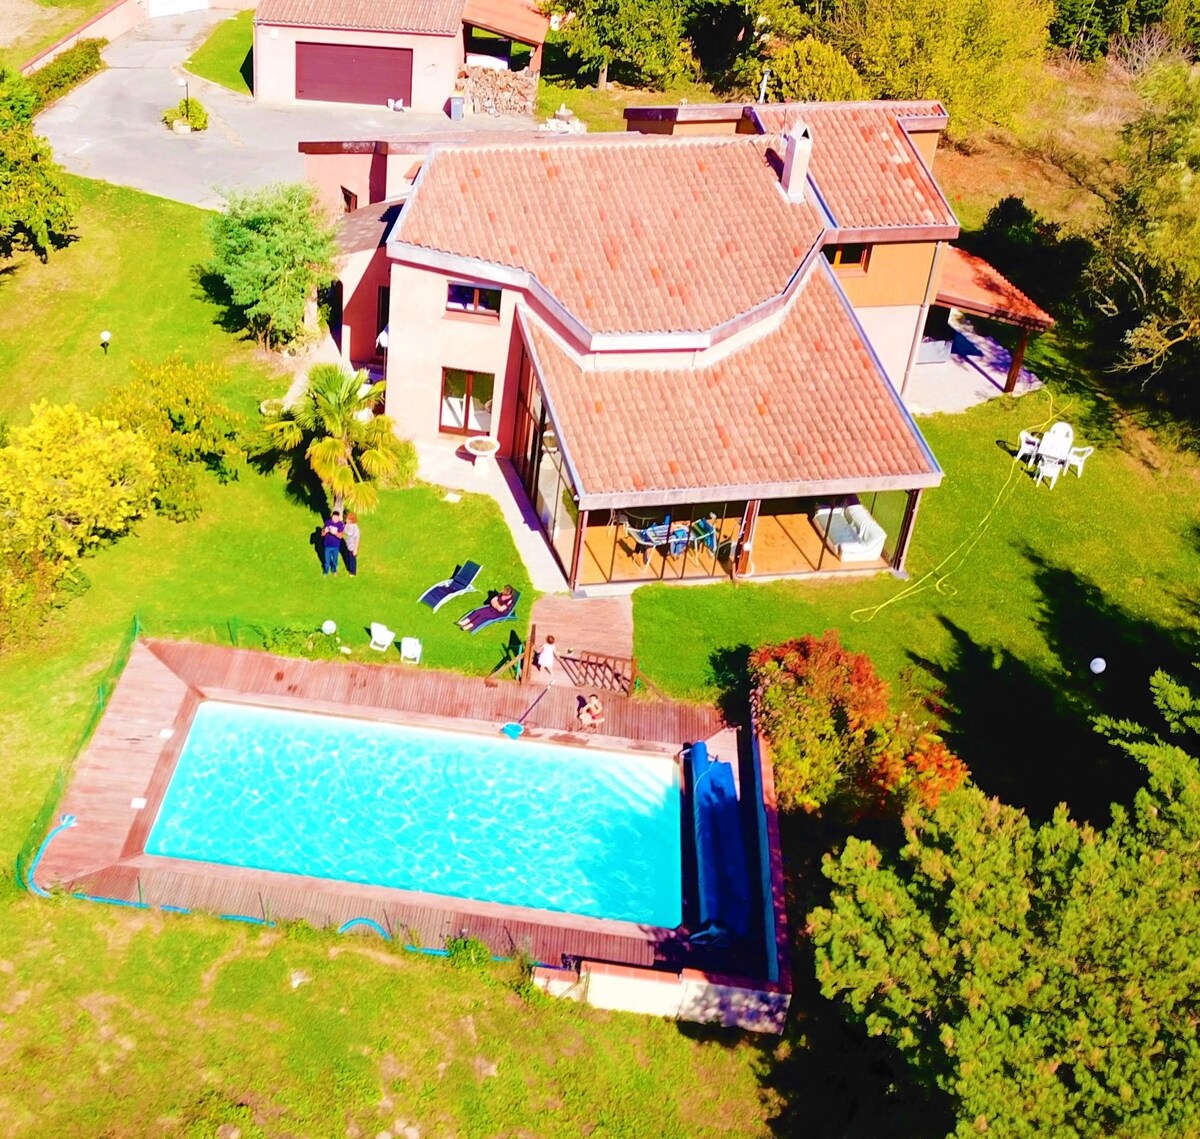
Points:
(66, 71)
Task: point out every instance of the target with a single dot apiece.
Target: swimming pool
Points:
(570, 829)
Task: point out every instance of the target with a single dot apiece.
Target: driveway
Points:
(111, 127)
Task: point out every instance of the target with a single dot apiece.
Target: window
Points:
(466, 402)
(473, 298)
(848, 256)
(349, 201)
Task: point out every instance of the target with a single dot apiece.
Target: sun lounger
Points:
(496, 618)
(462, 582)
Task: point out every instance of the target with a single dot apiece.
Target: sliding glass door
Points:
(466, 402)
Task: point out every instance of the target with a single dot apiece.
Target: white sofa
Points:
(850, 532)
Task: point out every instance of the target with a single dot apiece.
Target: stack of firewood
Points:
(490, 91)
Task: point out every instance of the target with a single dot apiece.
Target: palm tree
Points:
(346, 444)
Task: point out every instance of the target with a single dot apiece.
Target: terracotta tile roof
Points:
(434, 17)
(866, 168)
(632, 233)
(804, 410)
(513, 18)
(971, 284)
(366, 228)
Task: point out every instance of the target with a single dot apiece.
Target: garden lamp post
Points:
(187, 100)
(105, 337)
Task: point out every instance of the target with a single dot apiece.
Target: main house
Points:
(692, 341)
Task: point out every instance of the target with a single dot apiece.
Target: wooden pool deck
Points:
(125, 770)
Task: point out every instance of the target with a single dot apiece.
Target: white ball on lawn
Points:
(329, 628)
(1098, 665)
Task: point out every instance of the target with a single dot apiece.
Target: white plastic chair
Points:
(410, 650)
(1027, 447)
(1077, 458)
(1048, 469)
(381, 637)
(1057, 442)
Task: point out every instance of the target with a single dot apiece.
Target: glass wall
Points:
(543, 471)
(694, 540)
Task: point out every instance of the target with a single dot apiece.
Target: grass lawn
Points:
(227, 56)
(1014, 589)
(118, 1023)
(133, 272)
(45, 22)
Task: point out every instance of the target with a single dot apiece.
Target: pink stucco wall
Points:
(361, 275)
(425, 338)
(114, 21)
(361, 174)
(436, 60)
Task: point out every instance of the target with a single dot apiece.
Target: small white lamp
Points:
(105, 337)
(1098, 665)
(329, 628)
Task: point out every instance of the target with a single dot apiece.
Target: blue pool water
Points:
(518, 822)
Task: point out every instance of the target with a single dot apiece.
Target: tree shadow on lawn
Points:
(300, 484)
(211, 287)
(1026, 730)
(826, 1078)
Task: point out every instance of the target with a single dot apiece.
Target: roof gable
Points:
(431, 17)
(866, 168)
(803, 410)
(632, 234)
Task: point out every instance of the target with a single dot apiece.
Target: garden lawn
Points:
(134, 272)
(42, 23)
(227, 56)
(123, 1023)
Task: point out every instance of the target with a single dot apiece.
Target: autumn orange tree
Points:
(827, 716)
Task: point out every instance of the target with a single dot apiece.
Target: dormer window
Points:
(853, 256)
(477, 299)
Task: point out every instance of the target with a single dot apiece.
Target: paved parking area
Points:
(111, 127)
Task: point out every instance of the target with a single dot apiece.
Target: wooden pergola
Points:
(970, 284)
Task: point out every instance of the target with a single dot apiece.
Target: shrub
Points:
(467, 952)
(66, 71)
(293, 641)
(172, 407)
(273, 248)
(826, 714)
(69, 481)
(810, 69)
(189, 111)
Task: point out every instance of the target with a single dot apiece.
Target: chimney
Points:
(796, 154)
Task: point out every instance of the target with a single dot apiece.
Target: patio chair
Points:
(1049, 469)
(462, 581)
(410, 650)
(1027, 447)
(1057, 442)
(382, 637)
(1077, 458)
(496, 618)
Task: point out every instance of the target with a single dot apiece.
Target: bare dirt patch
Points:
(22, 19)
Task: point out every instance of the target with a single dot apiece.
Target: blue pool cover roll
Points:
(723, 887)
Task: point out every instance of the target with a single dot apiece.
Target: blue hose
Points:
(66, 821)
(370, 923)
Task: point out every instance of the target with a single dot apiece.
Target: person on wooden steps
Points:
(545, 659)
(591, 715)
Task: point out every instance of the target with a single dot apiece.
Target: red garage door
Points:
(346, 73)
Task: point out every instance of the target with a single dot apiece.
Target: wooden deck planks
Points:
(137, 744)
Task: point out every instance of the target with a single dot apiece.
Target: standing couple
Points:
(338, 537)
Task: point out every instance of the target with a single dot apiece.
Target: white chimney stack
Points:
(796, 156)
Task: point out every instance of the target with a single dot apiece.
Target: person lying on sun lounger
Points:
(591, 715)
(498, 606)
